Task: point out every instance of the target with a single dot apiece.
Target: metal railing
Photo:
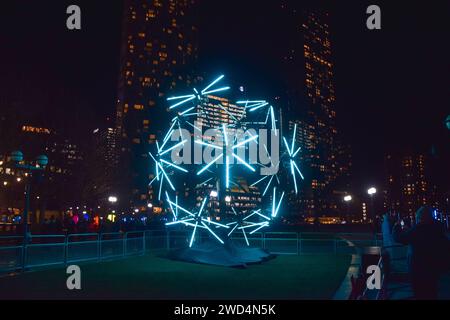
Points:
(51, 250)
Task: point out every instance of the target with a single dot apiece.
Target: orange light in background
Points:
(157, 210)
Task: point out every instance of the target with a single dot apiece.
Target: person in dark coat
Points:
(428, 252)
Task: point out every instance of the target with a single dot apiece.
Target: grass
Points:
(155, 277)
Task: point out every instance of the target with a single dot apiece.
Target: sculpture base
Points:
(227, 255)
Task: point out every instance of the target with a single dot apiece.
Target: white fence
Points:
(49, 250)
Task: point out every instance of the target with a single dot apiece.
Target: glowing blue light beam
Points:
(174, 165)
(295, 153)
(213, 83)
(245, 141)
(176, 204)
(262, 226)
(181, 102)
(186, 111)
(255, 183)
(273, 202)
(173, 147)
(193, 235)
(287, 146)
(160, 186)
(201, 207)
(243, 162)
(279, 203)
(209, 164)
(225, 137)
(155, 178)
(245, 236)
(215, 235)
(259, 106)
(216, 90)
(173, 211)
(216, 223)
(293, 139)
(193, 225)
(227, 171)
(293, 176)
(207, 144)
(251, 225)
(181, 208)
(267, 187)
(265, 217)
(275, 209)
(232, 229)
(250, 101)
(298, 170)
(273, 120)
(251, 214)
(167, 177)
(180, 97)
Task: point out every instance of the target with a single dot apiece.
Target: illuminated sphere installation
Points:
(246, 143)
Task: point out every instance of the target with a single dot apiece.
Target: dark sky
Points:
(391, 84)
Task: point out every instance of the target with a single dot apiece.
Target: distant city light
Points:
(227, 198)
(149, 205)
(213, 193)
(348, 198)
(19, 179)
(372, 191)
(136, 210)
(111, 199)
(5, 183)
(241, 89)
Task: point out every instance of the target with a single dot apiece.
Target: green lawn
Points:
(155, 277)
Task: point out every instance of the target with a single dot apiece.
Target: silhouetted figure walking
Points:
(428, 252)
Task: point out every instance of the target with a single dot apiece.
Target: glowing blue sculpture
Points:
(227, 155)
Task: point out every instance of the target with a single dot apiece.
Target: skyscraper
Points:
(158, 43)
(102, 162)
(312, 107)
(408, 183)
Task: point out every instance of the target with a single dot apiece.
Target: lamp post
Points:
(112, 200)
(347, 200)
(371, 192)
(41, 162)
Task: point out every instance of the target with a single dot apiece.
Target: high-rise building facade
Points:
(102, 163)
(309, 70)
(408, 183)
(158, 43)
(213, 112)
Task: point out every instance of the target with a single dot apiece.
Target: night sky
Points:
(391, 84)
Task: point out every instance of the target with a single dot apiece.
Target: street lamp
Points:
(371, 191)
(347, 200)
(112, 199)
(213, 193)
(40, 163)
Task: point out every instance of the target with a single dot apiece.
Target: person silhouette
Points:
(428, 248)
